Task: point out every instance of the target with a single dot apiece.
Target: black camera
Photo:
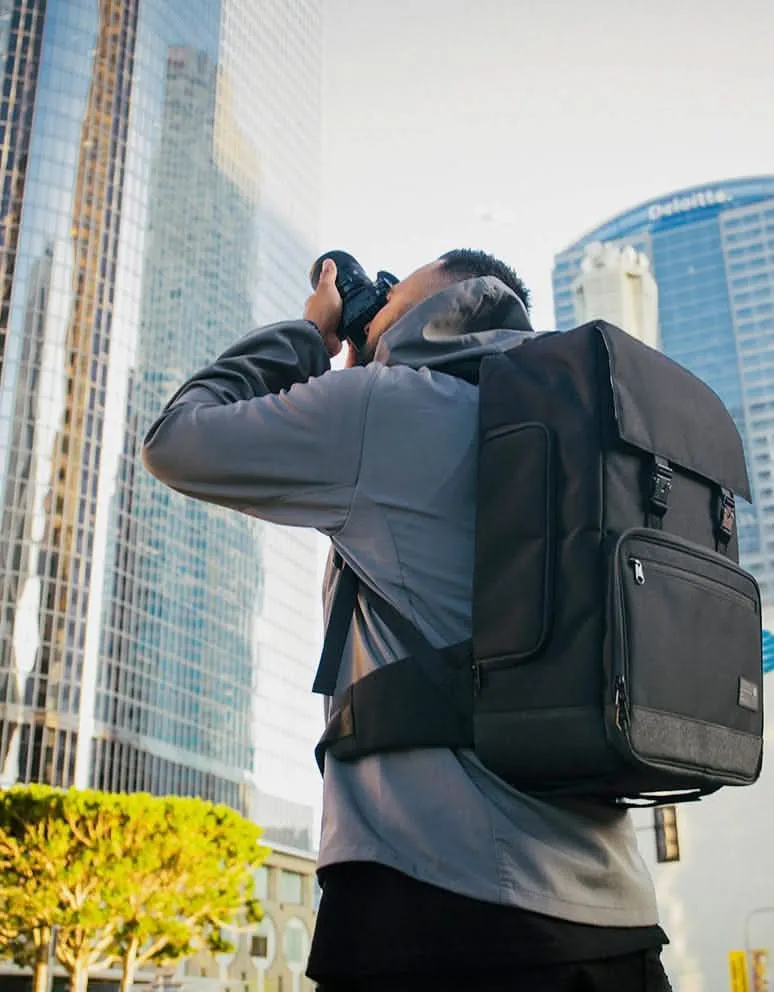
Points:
(361, 298)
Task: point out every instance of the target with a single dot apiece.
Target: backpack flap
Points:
(663, 409)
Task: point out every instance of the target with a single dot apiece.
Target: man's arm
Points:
(265, 431)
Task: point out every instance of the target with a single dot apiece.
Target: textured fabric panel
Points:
(665, 737)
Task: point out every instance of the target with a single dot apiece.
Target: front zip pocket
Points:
(684, 656)
(714, 586)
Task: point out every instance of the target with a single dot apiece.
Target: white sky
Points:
(517, 125)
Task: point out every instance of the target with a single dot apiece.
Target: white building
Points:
(616, 283)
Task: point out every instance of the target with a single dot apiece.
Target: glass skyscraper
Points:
(159, 167)
(711, 249)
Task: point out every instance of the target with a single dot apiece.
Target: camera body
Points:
(361, 298)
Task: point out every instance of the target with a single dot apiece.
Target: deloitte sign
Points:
(692, 201)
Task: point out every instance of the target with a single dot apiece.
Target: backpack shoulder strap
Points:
(423, 700)
(339, 621)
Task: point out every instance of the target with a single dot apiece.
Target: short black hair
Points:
(468, 263)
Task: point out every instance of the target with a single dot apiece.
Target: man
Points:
(435, 873)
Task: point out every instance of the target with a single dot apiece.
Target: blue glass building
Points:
(711, 249)
(159, 182)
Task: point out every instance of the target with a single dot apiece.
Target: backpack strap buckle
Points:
(726, 520)
(660, 488)
(660, 485)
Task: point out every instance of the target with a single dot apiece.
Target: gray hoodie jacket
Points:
(383, 460)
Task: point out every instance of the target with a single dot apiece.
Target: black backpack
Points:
(616, 648)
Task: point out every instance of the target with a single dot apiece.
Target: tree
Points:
(191, 874)
(34, 846)
(129, 878)
(54, 847)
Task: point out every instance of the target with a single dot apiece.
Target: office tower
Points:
(711, 251)
(160, 185)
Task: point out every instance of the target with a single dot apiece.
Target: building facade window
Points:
(153, 212)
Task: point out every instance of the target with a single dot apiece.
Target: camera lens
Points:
(349, 272)
(361, 298)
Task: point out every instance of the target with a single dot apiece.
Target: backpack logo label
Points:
(748, 695)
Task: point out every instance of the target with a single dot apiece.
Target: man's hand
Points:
(324, 307)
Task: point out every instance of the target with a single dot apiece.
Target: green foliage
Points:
(132, 878)
(195, 877)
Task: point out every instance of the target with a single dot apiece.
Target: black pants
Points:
(640, 972)
(381, 931)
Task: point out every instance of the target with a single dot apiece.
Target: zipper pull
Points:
(639, 572)
(476, 678)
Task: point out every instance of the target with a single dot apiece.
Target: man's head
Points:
(453, 266)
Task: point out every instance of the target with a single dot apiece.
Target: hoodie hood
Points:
(453, 330)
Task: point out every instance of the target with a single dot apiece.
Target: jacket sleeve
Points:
(267, 429)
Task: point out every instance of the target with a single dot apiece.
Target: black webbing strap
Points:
(434, 662)
(724, 529)
(424, 700)
(339, 620)
(648, 800)
(396, 707)
(659, 488)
